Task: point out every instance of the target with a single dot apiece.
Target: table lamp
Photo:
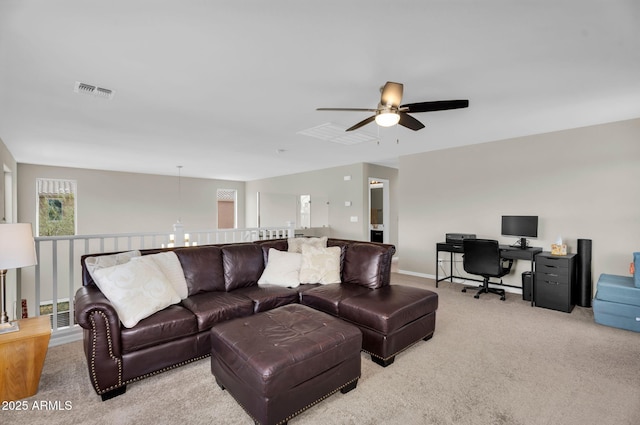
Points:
(17, 249)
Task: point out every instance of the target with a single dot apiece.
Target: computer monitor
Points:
(522, 226)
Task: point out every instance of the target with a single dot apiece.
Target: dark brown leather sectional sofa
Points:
(222, 285)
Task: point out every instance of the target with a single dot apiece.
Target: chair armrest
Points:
(509, 264)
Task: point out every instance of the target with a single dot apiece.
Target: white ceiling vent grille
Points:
(84, 88)
(333, 133)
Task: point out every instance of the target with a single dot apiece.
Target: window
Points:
(227, 208)
(46, 309)
(56, 207)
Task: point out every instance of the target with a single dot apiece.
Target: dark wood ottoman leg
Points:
(280, 362)
(349, 387)
(383, 362)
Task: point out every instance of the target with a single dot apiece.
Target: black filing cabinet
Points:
(555, 281)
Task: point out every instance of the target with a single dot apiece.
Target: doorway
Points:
(379, 224)
(227, 208)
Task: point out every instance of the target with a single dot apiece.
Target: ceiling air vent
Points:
(93, 90)
(336, 134)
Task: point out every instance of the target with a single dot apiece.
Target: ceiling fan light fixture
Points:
(387, 118)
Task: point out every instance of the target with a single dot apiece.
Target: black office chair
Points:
(482, 257)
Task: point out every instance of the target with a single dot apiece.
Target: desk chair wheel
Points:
(475, 288)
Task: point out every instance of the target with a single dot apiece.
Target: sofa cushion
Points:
(203, 270)
(296, 244)
(365, 265)
(279, 244)
(97, 262)
(320, 265)
(617, 289)
(327, 297)
(166, 325)
(137, 289)
(268, 297)
(389, 308)
(170, 265)
(617, 315)
(243, 265)
(215, 307)
(283, 269)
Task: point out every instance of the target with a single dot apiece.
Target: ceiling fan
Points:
(389, 111)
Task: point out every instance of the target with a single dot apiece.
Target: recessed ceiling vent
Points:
(336, 134)
(96, 91)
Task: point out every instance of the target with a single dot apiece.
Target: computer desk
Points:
(506, 251)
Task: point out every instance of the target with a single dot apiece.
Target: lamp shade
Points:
(387, 119)
(17, 248)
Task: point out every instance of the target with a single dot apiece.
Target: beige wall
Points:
(8, 210)
(582, 183)
(329, 185)
(7, 165)
(117, 202)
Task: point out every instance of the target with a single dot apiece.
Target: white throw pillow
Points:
(103, 261)
(172, 269)
(136, 289)
(283, 269)
(296, 244)
(320, 265)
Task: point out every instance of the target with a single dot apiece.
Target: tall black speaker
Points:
(585, 280)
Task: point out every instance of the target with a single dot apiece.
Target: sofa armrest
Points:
(90, 299)
(102, 339)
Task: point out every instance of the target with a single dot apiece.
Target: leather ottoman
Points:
(391, 319)
(279, 362)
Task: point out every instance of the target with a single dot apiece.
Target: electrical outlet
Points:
(440, 262)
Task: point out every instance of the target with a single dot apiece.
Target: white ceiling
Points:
(222, 88)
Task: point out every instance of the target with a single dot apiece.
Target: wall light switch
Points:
(347, 178)
(354, 218)
(347, 203)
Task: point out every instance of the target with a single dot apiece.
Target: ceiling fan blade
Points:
(361, 123)
(439, 105)
(345, 109)
(391, 94)
(410, 122)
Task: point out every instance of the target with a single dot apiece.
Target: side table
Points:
(22, 356)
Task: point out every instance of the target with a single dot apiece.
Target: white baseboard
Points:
(65, 336)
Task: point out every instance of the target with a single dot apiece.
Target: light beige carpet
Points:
(489, 362)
